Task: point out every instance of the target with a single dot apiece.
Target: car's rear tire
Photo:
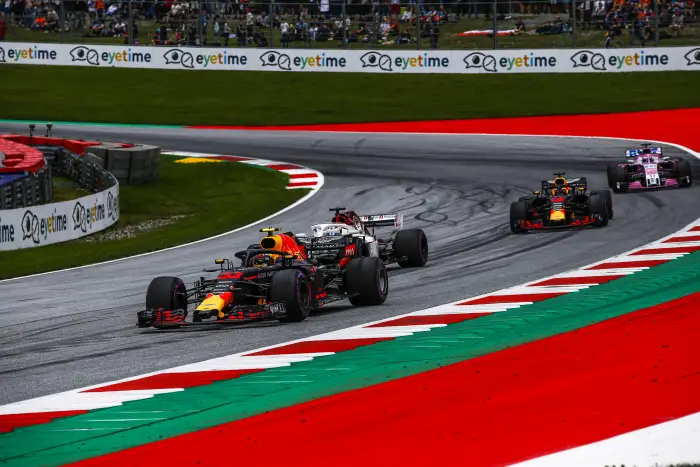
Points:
(368, 278)
(518, 212)
(598, 206)
(608, 200)
(413, 245)
(684, 170)
(617, 174)
(291, 287)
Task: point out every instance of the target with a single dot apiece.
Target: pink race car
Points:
(647, 168)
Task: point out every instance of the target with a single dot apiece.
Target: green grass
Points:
(199, 200)
(65, 189)
(275, 98)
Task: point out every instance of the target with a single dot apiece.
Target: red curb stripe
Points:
(695, 229)
(630, 264)
(577, 280)
(661, 251)
(689, 238)
(174, 380)
(308, 175)
(303, 184)
(677, 125)
(492, 299)
(340, 345)
(12, 421)
(580, 387)
(429, 319)
(284, 166)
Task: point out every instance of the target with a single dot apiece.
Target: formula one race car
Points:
(561, 203)
(406, 247)
(276, 280)
(647, 168)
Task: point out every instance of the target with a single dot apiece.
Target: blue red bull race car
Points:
(647, 168)
(278, 279)
(561, 203)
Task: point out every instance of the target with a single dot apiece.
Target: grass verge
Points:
(274, 98)
(65, 189)
(187, 203)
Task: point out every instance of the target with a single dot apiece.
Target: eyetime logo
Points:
(385, 63)
(597, 61)
(491, 64)
(693, 57)
(112, 206)
(37, 228)
(482, 61)
(95, 58)
(85, 216)
(7, 232)
(85, 54)
(29, 54)
(188, 60)
(285, 62)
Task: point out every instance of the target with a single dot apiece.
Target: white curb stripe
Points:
(57, 402)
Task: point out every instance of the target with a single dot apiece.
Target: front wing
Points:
(168, 319)
(539, 224)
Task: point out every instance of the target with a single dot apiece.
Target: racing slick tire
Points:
(608, 200)
(617, 174)
(166, 292)
(368, 278)
(683, 169)
(526, 198)
(411, 244)
(598, 206)
(291, 287)
(518, 212)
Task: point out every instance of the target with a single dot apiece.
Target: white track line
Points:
(78, 398)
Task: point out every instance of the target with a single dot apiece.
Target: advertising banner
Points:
(356, 61)
(58, 222)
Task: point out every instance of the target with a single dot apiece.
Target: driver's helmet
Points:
(263, 260)
(344, 218)
(560, 191)
(646, 160)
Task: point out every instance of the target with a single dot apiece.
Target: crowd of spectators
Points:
(245, 23)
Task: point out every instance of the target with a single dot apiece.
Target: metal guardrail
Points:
(37, 189)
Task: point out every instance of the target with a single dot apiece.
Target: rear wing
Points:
(383, 220)
(572, 182)
(632, 153)
(323, 243)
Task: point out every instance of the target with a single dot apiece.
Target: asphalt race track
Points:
(76, 328)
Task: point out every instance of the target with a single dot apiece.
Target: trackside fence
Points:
(360, 24)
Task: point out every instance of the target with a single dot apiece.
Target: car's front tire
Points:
(411, 244)
(518, 212)
(684, 170)
(291, 287)
(599, 209)
(608, 200)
